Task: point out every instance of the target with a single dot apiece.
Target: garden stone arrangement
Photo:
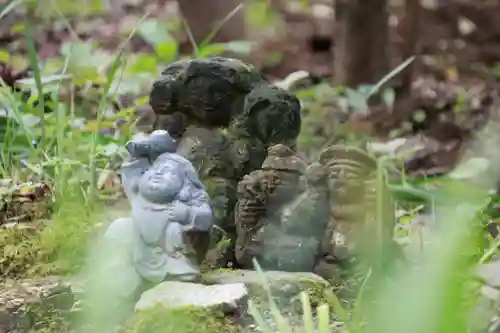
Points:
(224, 158)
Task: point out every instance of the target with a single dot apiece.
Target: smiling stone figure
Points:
(168, 203)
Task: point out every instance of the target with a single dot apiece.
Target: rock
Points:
(490, 274)
(36, 303)
(283, 285)
(285, 288)
(173, 294)
(186, 307)
(486, 309)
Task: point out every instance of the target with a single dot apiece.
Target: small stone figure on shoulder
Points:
(261, 196)
(168, 201)
(293, 242)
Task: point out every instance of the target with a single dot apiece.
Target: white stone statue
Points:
(167, 200)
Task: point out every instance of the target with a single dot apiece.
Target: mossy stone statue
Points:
(209, 91)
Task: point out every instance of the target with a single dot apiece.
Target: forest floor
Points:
(432, 130)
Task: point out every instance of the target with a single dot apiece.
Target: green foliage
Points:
(65, 241)
(19, 249)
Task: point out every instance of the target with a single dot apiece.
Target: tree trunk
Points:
(203, 16)
(361, 39)
(411, 45)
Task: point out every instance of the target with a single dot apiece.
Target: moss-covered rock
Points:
(19, 249)
(34, 305)
(188, 319)
(285, 287)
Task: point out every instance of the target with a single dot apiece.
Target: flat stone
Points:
(173, 294)
(490, 272)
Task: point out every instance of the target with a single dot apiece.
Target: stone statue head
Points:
(272, 115)
(155, 171)
(162, 182)
(282, 157)
(158, 142)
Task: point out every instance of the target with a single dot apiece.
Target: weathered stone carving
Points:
(208, 92)
(270, 116)
(317, 228)
(227, 115)
(210, 152)
(168, 201)
(353, 199)
(261, 197)
(293, 242)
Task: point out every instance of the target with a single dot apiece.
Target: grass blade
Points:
(9, 7)
(219, 25)
(337, 307)
(307, 313)
(102, 105)
(257, 316)
(38, 81)
(323, 314)
(281, 322)
(389, 76)
(196, 50)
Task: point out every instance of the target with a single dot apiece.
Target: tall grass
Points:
(55, 153)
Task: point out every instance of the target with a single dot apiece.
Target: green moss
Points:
(315, 290)
(180, 320)
(55, 247)
(13, 261)
(46, 320)
(286, 294)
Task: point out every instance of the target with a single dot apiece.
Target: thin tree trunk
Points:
(411, 46)
(361, 39)
(202, 17)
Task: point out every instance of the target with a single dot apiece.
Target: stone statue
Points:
(353, 197)
(208, 92)
(270, 116)
(261, 196)
(210, 152)
(168, 202)
(293, 242)
(226, 115)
